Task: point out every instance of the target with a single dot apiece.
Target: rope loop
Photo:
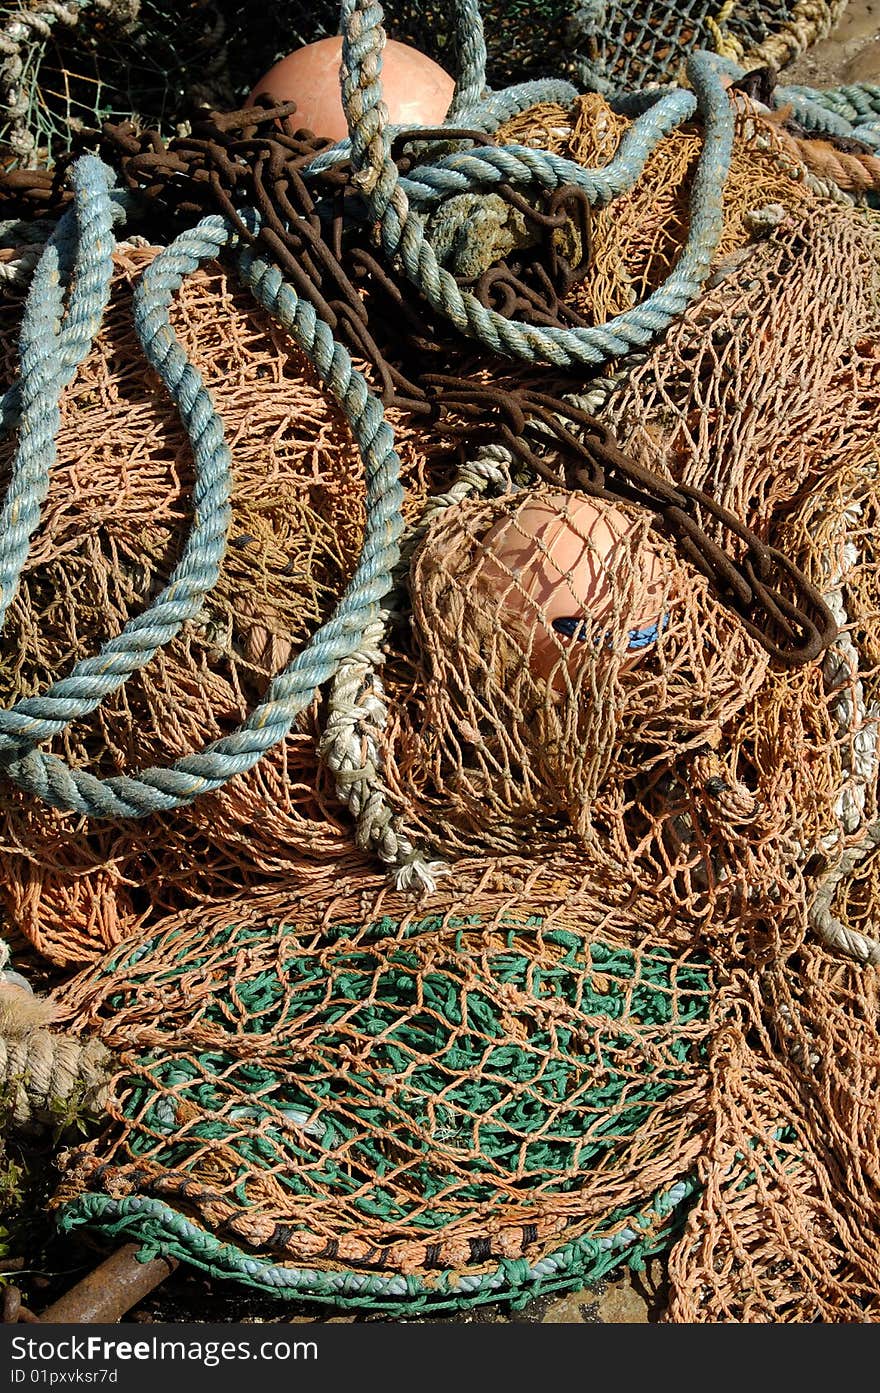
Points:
(86, 244)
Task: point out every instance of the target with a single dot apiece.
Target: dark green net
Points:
(420, 1101)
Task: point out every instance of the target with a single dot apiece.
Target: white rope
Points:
(859, 755)
(351, 744)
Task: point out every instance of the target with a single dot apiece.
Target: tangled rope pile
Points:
(718, 787)
(401, 233)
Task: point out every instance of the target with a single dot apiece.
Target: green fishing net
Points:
(403, 1112)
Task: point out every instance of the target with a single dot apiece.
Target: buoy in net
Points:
(552, 567)
(416, 90)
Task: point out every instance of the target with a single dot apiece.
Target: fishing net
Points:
(637, 44)
(404, 1108)
(356, 1102)
(120, 498)
(111, 59)
(618, 1023)
(523, 717)
(119, 501)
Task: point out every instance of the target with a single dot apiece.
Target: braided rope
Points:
(82, 267)
(487, 115)
(850, 112)
(402, 233)
(841, 673)
(16, 269)
(156, 1224)
(824, 923)
(823, 114)
(811, 115)
(351, 748)
(806, 23)
(853, 102)
(812, 163)
(35, 719)
(158, 789)
(465, 171)
(357, 713)
(470, 43)
(857, 174)
(42, 1071)
(767, 141)
(50, 355)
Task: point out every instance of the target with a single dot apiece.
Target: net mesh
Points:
(520, 719)
(480, 1032)
(113, 522)
(158, 62)
(610, 1028)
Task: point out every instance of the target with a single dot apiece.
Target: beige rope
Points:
(727, 799)
(43, 1073)
(841, 671)
(809, 21)
(855, 173)
(350, 747)
(357, 714)
(825, 925)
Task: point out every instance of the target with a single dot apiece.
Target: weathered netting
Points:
(611, 1029)
(111, 59)
(355, 1101)
(518, 721)
(106, 539)
(629, 46)
(487, 1097)
(119, 500)
(767, 419)
(633, 253)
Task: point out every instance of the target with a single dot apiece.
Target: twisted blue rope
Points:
(161, 789)
(78, 261)
(855, 102)
(856, 115)
(487, 115)
(402, 232)
(851, 111)
(53, 344)
(479, 168)
(35, 719)
(470, 44)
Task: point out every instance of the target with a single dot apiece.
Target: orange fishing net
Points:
(621, 1020)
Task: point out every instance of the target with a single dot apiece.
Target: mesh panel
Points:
(414, 1095)
(615, 1003)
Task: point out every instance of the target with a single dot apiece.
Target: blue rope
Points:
(470, 43)
(53, 344)
(70, 290)
(494, 109)
(855, 103)
(40, 718)
(161, 789)
(464, 171)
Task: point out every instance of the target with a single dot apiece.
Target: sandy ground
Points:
(851, 54)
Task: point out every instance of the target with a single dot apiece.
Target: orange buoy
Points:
(416, 90)
(552, 565)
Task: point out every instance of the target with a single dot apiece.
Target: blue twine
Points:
(69, 293)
